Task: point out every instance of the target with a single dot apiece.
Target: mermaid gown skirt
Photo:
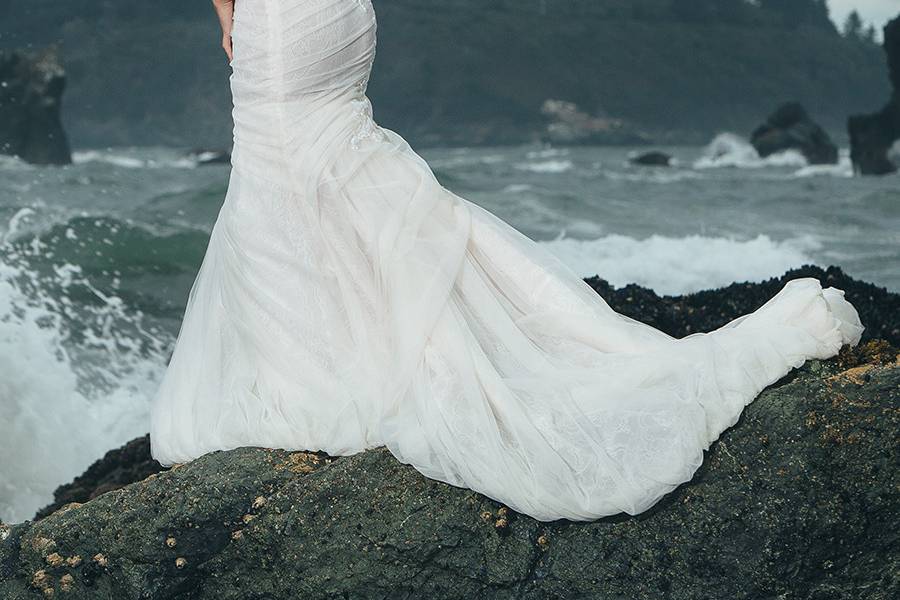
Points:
(348, 301)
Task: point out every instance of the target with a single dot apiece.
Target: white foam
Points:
(731, 150)
(122, 158)
(844, 168)
(672, 265)
(648, 175)
(547, 166)
(67, 396)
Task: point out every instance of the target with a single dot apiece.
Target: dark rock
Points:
(652, 159)
(31, 89)
(118, 468)
(791, 128)
(679, 316)
(871, 136)
(798, 500)
(569, 125)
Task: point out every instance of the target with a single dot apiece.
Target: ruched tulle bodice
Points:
(298, 82)
(347, 300)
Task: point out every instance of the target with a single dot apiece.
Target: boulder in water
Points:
(872, 136)
(791, 128)
(31, 89)
(651, 159)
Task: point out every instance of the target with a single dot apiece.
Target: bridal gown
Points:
(348, 301)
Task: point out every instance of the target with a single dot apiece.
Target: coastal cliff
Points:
(872, 136)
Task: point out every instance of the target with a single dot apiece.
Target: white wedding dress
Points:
(348, 301)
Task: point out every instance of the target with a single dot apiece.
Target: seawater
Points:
(97, 258)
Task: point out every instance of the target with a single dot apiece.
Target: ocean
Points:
(97, 258)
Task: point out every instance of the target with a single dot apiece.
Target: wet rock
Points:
(651, 159)
(119, 467)
(31, 89)
(872, 136)
(679, 316)
(791, 128)
(798, 500)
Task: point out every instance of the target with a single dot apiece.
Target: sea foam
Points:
(673, 265)
(76, 375)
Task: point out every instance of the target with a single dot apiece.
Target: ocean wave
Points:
(547, 166)
(672, 265)
(663, 176)
(130, 160)
(844, 168)
(77, 372)
(731, 150)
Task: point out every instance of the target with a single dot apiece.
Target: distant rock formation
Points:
(651, 159)
(791, 128)
(31, 89)
(569, 125)
(871, 136)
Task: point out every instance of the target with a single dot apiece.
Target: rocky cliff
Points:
(798, 500)
(872, 136)
(31, 89)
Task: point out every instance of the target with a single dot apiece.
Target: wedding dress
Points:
(348, 301)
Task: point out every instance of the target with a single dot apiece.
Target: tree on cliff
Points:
(794, 13)
(853, 26)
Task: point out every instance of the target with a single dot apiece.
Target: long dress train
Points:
(348, 301)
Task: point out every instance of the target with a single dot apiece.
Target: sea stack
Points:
(31, 89)
(791, 128)
(871, 136)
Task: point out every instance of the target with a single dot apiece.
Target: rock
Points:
(118, 468)
(31, 89)
(569, 125)
(651, 159)
(872, 136)
(798, 500)
(679, 316)
(791, 128)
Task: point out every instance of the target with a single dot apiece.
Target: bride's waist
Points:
(280, 140)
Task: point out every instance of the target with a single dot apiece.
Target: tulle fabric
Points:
(348, 301)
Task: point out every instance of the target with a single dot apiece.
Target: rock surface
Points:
(872, 136)
(31, 89)
(798, 500)
(791, 128)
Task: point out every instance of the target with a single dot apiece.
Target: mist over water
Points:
(97, 258)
